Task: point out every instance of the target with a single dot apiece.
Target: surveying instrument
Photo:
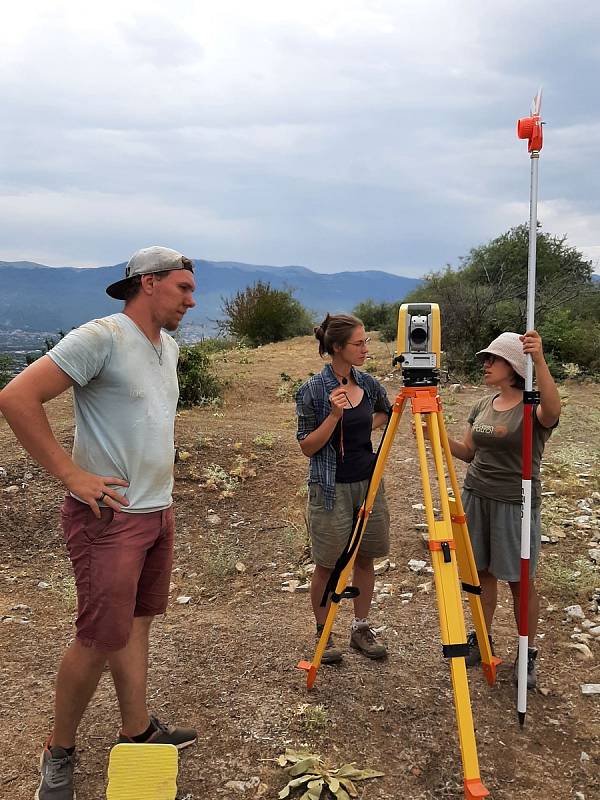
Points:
(418, 350)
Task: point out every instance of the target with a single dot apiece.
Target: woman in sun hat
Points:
(337, 410)
(492, 488)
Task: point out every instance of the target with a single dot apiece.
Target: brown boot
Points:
(363, 639)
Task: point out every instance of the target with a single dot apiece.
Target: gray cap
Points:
(509, 347)
(148, 260)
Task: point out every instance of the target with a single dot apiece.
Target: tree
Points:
(260, 314)
(487, 295)
(376, 316)
(49, 343)
(561, 271)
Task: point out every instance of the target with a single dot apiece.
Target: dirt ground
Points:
(226, 660)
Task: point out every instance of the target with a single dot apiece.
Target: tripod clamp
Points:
(349, 593)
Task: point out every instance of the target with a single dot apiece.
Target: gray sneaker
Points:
(56, 766)
(165, 734)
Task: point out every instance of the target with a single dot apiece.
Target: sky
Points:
(333, 134)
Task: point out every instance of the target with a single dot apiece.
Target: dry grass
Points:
(312, 718)
(569, 583)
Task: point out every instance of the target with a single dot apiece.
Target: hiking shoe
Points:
(165, 734)
(331, 654)
(474, 655)
(363, 639)
(56, 766)
(531, 668)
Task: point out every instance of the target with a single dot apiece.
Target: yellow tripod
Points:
(451, 553)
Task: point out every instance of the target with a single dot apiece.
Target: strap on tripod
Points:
(455, 650)
(344, 558)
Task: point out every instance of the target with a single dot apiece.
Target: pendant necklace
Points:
(343, 379)
(159, 353)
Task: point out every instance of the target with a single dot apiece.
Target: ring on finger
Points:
(102, 496)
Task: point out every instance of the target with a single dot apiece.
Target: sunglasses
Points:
(491, 358)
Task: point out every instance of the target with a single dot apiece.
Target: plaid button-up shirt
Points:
(313, 408)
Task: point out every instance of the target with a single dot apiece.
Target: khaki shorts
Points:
(331, 530)
(495, 533)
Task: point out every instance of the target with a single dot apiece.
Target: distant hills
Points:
(35, 297)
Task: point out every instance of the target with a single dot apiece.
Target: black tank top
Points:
(356, 460)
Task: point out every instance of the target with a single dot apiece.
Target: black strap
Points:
(455, 650)
(531, 398)
(343, 559)
(350, 547)
(467, 587)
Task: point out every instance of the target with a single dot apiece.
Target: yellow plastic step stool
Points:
(142, 772)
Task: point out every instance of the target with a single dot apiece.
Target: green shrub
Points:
(288, 388)
(260, 315)
(376, 316)
(569, 340)
(389, 331)
(197, 384)
(6, 370)
(217, 344)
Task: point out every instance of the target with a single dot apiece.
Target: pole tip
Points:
(521, 718)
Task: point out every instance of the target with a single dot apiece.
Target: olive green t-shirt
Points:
(496, 469)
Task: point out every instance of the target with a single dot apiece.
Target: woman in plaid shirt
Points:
(337, 410)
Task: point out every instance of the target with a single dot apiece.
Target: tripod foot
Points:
(475, 789)
(489, 670)
(311, 671)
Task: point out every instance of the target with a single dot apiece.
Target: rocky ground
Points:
(224, 657)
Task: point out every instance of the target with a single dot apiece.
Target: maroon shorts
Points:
(122, 564)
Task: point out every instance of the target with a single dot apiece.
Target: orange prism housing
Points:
(531, 128)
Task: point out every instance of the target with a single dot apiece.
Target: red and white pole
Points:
(529, 128)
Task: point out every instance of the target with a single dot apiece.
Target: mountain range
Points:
(35, 297)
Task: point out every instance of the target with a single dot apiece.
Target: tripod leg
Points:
(452, 625)
(466, 563)
(312, 667)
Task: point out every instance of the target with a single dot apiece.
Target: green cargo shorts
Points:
(495, 533)
(330, 530)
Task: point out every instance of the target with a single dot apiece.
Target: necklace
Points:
(343, 378)
(344, 381)
(159, 353)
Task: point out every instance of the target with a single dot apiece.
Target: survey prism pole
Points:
(529, 128)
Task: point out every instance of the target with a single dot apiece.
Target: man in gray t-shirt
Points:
(117, 516)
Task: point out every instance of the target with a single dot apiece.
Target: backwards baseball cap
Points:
(145, 261)
(509, 347)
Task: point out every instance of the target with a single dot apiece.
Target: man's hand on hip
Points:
(94, 489)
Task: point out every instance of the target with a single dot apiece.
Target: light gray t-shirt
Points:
(125, 404)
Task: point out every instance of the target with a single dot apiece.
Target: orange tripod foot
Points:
(489, 670)
(311, 673)
(475, 789)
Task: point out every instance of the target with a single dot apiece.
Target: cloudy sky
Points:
(336, 134)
